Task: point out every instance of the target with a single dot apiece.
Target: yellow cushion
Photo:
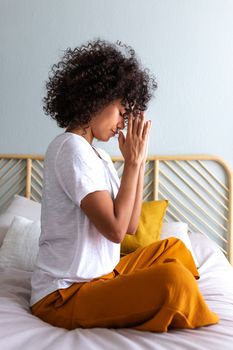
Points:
(149, 227)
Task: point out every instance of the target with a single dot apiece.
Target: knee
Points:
(177, 277)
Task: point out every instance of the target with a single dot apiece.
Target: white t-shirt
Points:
(71, 249)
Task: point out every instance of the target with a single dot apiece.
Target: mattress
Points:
(19, 329)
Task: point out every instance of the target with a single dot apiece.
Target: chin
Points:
(103, 138)
(107, 137)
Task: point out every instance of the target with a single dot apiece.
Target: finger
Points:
(146, 129)
(141, 124)
(129, 126)
(149, 128)
(150, 123)
(135, 125)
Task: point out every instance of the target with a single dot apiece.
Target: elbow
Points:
(117, 240)
(118, 235)
(113, 234)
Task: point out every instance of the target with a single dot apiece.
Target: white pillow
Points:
(20, 206)
(216, 282)
(21, 244)
(179, 230)
(207, 251)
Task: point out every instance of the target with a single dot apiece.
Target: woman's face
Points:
(108, 121)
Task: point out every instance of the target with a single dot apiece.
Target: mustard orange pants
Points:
(151, 289)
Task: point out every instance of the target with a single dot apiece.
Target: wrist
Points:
(133, 163)
(143, 163)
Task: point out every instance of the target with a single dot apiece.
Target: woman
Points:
(79, 279)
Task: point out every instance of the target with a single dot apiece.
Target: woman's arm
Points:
(133, 224)
(110, 217)
(134, 220)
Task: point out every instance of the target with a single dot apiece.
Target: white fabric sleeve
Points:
(79, 176)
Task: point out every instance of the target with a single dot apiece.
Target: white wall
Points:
(187, 44)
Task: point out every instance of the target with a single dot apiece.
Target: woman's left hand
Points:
(147, 140)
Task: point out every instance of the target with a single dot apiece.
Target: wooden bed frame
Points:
(198, 187)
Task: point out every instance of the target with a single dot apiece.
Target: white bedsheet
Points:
(19, 329)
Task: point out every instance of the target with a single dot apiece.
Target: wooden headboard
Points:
(198, 187)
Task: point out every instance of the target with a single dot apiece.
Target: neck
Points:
(86, 133)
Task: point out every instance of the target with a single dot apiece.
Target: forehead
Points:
(118, 103)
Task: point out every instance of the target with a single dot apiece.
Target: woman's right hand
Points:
(133, 145)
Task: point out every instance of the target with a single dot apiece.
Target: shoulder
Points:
(75, 154)
(69, 146)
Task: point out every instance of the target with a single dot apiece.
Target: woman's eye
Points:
(124, 115)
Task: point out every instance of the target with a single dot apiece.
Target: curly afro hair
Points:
(90, 77)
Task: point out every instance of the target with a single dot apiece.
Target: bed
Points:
(199, 191)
